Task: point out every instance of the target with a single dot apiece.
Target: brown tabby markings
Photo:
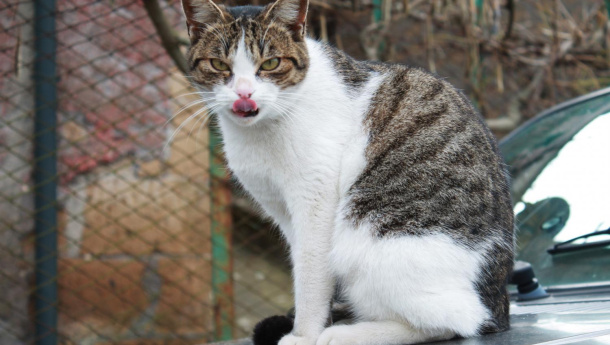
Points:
(433, 166)
(439, 167)
(355, 73)
(263, 38)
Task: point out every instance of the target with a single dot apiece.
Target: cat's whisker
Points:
(284, 103)
(208, 117)
(204, 99)
(205, 112)
(222, 37)
(218, 34)
(292, 116)
(285, 111)
(290, 98)
(171, 138)
(200, 101)
(276, 108)
(279, 98)
(285, 94)
(260, 40)
(289, 93)
(283, 114)
(208, 114)
(188, 105)
(264, 44)
(205, 121)
(180, 111)
(280, 102)
(193, 93)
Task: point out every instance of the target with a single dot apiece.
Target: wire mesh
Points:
(155, 243)
(135, 195)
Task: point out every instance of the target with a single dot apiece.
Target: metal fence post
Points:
(222, 259)
(45, 173)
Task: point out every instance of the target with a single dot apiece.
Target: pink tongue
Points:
(244, 105)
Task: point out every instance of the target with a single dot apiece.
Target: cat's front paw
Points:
(290, 339)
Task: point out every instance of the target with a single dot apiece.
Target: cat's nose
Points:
(244, 88)
(244, 93)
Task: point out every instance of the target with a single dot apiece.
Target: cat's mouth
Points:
(246, 113)
(245, 107)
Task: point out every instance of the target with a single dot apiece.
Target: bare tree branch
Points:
(170, 41)
(514, 117)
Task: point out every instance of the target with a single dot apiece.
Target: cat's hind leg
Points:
(420, 284)
(379, 333)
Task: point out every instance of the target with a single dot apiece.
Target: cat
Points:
(382, 178)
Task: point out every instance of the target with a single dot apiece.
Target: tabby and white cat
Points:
(382, 178)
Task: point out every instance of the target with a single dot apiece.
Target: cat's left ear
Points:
(292, 13)
(202, 12)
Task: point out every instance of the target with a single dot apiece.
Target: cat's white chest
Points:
(260, 162)
(283, 167)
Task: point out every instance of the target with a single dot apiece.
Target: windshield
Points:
(560, 168)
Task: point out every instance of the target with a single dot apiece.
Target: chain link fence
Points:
(150, 249)
(125, 227)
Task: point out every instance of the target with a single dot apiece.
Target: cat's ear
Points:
(292, 13)
(200, 13)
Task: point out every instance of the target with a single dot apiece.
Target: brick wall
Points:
(135, 245)
(134, 232)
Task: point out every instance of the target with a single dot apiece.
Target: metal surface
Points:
(558, 320)
(45, 174)
(552, 110)
(222, 260)
(593, 306)
(530, 329)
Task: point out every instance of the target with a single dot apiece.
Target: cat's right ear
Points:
(200, 13)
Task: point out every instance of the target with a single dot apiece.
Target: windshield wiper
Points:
(568, 246)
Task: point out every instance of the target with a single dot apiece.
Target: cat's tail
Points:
(269, 331)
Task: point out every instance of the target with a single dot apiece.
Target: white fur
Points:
(298, 161)
(379, 332)
(426, 281)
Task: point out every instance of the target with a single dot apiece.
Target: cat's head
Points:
(247, 58)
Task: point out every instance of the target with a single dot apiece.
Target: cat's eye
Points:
(219, 65)
(270, 64)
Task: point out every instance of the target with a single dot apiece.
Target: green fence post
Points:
(222, 259)
(45, 173)
(378, 17)
(479, 5)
